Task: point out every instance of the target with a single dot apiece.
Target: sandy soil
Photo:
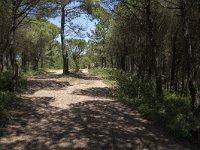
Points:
(76, 113)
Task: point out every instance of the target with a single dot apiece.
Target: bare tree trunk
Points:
(174, 61)
(190, 66)
(102, 62)
(11, 49)
(51, 62)
(152, 43)
(105, 62)
(111, 61)
(24, 62)
(35, 65)
(123, 56)
(62, 33)
(1, 62)
(42, 62)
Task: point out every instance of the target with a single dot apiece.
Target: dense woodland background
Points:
(149, 48)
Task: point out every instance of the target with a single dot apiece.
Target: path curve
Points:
(76, 112)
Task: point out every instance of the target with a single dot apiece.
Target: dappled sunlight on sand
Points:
(79, 114)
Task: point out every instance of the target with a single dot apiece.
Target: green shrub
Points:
(6, 99)
(171, 110)
(21, 84)
(34, 72)
(133, 87)
(107, 74)
(178, 114)
(6, 83)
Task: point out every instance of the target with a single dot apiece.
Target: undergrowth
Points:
(6, 100)
(30, 73)
(108, 75)
(171, 111)
(8, 96)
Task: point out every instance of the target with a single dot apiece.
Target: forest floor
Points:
(76, 112)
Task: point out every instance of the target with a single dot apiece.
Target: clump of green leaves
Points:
(171, 111)
(40, 71)
(7, 96)
(106, 74)
(6, 99)
(7, 84)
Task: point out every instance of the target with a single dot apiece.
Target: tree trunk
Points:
(51, 62)
(24, 62)
(62, 34)
(111, 61)
(123, 56)
(7, 60)
(35, 65)
(174, 61)
(123, 64)
(102, 62)
(1, 62)
(42, 62)
(190, 66)
(152, 43)
(105, 62)
(11, 49)
(12, 43)
(77, 66)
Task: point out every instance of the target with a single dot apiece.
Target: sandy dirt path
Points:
(76, 113)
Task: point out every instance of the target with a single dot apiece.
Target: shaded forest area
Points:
(155, 45)
(149, 48)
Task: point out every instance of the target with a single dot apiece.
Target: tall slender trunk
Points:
(123, 56)
(174, 61)
(51, 62)
(102, 65)
(188, 53)
(1, 62)
(105, 62)
(35, 65)
(111, 61)
(62, 34)
(24, 62)
(11, 49)
(152, 43)
(42, 62)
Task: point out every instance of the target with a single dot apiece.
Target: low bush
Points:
(6, 99)
(107, 74)
(171, 110)
(7, 95)
(7, 84)
(34, 72)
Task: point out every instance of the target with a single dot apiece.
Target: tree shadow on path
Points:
(89, 125)
(83, 76)
(93, 124)
(36, 85)
(96, 92)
